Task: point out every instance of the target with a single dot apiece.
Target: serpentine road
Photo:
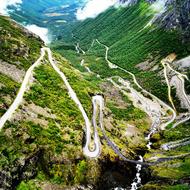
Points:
(78, 49)
(97, 101)
(180, 86)
(156, 123)
(146, 106)
(156, 116)
(18, 100)
(168, 84)
(114, 66)
(95, 153)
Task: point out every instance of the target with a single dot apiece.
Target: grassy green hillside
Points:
(18, 46)
(47, 132)
(131, 42)
(18, 50)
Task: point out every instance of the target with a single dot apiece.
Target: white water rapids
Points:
(137, 181)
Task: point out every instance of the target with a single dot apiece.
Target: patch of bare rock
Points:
(12, 71)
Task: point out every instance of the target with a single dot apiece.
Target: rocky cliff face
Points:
(175, 16)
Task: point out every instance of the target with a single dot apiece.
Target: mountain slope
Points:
(19, 49)
(132, 40)
(120, 72)
(125, 31)
(43, 140)
(124, 39)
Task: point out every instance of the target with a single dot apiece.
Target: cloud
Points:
(41, 32)
(92, 8)
(159, 6)
(6, 3)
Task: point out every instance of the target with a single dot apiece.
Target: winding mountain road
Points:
(176, 144)
(19, 98)
(156, 116)
(168, 84)
(98, 103)
(90, 153)
(179, 82)
(113, 66)
(79, 49)
(183, 120)
(23, 88)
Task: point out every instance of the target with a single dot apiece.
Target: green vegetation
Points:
(122, 30)
(128, 113)
(82, 168)
(160, 187)
(175, 170)
(187, 84)
(47, 147)
(28, 186)
(7, 92)
(182, 131)
(178, 187)
(131, 42)
(17, 46)
(62, 136)
(55, 141)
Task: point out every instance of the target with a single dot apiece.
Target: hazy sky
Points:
(5, 3)
(94, 7)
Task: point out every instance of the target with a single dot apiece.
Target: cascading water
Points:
(155, 114)
(137, 181)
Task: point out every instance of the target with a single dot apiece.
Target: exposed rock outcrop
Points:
(12, 71)
(176, 14)
(24, 168)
